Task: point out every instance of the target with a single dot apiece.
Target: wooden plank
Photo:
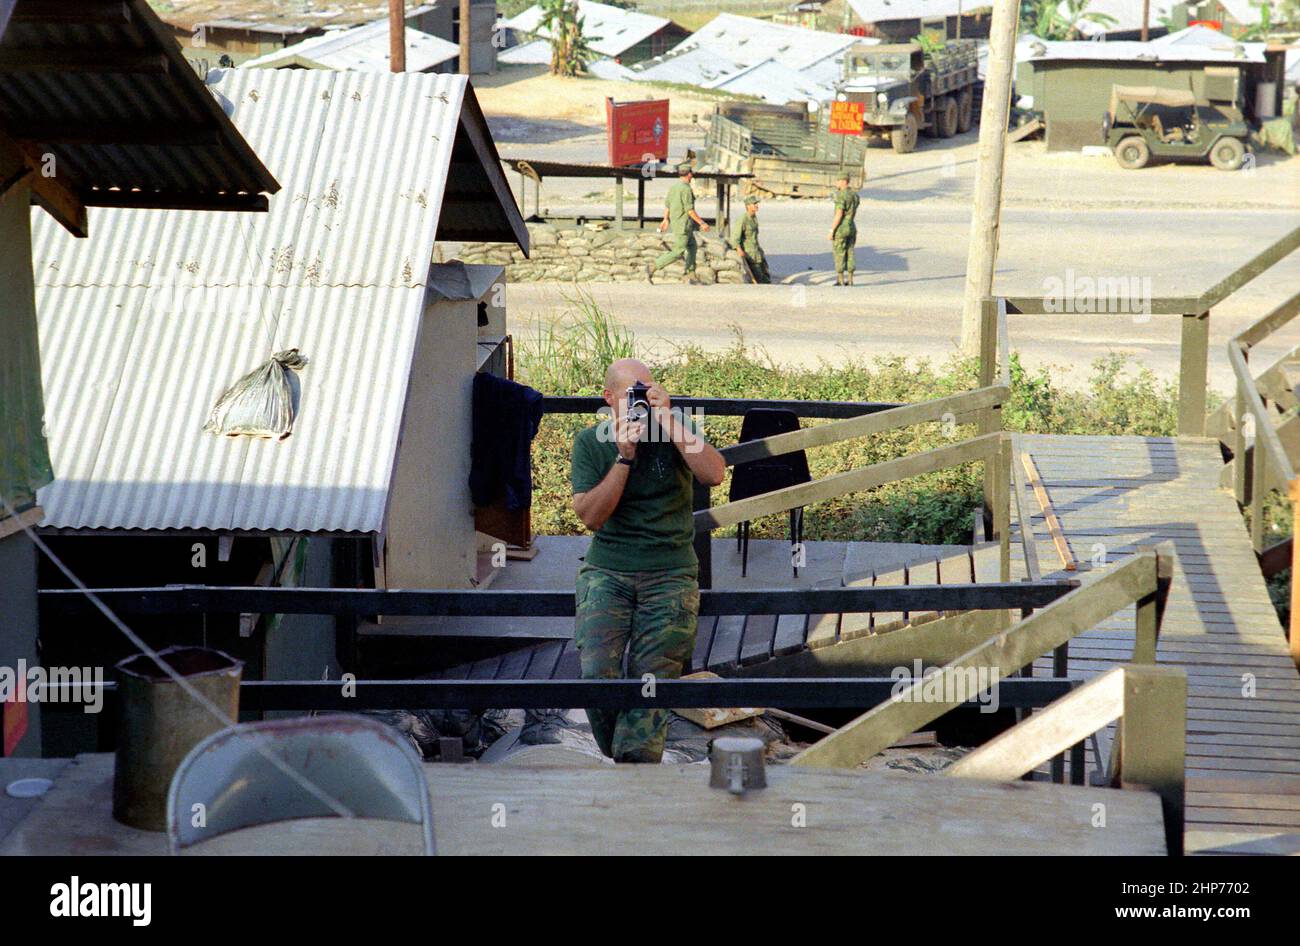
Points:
(791, 631)
(866, 425)
(514, 664)
(703, 640)
(569, 666)
(1045, 630)
(1047, 733)
(550, 811)
(544, 660)
(757, 642)
(1049, 516)
(839, 484)
(725, 653)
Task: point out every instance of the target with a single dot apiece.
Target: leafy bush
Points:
(570, 357)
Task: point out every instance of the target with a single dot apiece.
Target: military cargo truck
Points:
(788, 148)
(907, 90)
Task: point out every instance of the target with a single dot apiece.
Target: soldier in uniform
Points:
(637, 592)
(844, 231)
(744, 237)
(681, 219)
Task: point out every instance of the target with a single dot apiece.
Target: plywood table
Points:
(487, 809)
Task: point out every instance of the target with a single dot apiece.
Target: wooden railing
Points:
(1195, 344)
(992, 447)
(1264, 466)
(1150, 741)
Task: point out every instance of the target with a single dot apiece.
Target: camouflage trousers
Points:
(684, 246)
(629, 624)
(842, 246)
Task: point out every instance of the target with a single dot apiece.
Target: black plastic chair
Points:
(768, 474)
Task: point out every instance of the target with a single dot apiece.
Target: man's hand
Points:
(658, 398)
(627, 434)
(704, 227)
(663, 226)
(830, 235)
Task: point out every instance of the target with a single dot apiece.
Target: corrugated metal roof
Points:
(281, 16)
(611, 31)
(882, 11)
(773, 82)
(749, 42)
(359, 49)
(689, 64)
(143, 326)
(536, 52)
(1038, 50)
(128, 121)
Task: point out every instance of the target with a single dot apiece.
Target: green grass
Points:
(570, 357)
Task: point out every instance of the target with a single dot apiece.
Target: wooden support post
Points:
(466, 34)
(1294, 632)
(1151, 606)
(1258, 493)
(1049, 514)
(397, 35)
(1002, 507)
(703, 535)
(1153, 741)
(618, 202)
(1192, 377)
(1239, 446)
(988, 420)
(640, 202)
(986, 210)
(926, 700)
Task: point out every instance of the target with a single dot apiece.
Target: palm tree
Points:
(570, 49)
(1060, 19)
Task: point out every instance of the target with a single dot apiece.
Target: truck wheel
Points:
(903, 138)
(965, 110)
(947, 117)
(1132, 153)
(1227, 154)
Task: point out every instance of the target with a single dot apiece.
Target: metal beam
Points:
(102, 60)
(202, 599)
(841, 693)
(730, 407)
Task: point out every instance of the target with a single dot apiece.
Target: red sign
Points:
(638, 131)
(13, 721)
(846, 117)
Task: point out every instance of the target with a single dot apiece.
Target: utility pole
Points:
(982, 254)
(1146, 18)
(397, 35)
(466, 27)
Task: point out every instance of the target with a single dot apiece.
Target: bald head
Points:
(625, 372)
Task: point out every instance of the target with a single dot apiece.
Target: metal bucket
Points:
(159, 723)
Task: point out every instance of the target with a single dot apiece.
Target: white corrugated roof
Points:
(882, 11)
(144, 326)
(611, 31)
(537, 52)
(775, 83)
(689, 65)
(748, 42)
(360, 49)
(1038, 50)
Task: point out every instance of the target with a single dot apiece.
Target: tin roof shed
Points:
(376, 168)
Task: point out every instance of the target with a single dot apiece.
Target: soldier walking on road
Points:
(844, 231)
(681, 219)
(744, 237)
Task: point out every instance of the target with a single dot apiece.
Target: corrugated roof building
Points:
(145, 326)
(362, 49)
(614, 32)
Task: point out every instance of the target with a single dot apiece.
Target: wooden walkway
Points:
(1113, 494)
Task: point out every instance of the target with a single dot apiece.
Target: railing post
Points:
(990, 419)
(1153, 741)
(1258, 491)
(1294, 622)
(1192, 374)
(703, 537)
(1151, 606)
(1002, 509)
(1239, 444)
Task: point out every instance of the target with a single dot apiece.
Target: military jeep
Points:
(1144, 122)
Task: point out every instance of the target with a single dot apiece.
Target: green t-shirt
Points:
(745, 237)
(652, 526)
(847, 201)
(680, 201)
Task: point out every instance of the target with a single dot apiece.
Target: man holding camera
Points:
(637, 593)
